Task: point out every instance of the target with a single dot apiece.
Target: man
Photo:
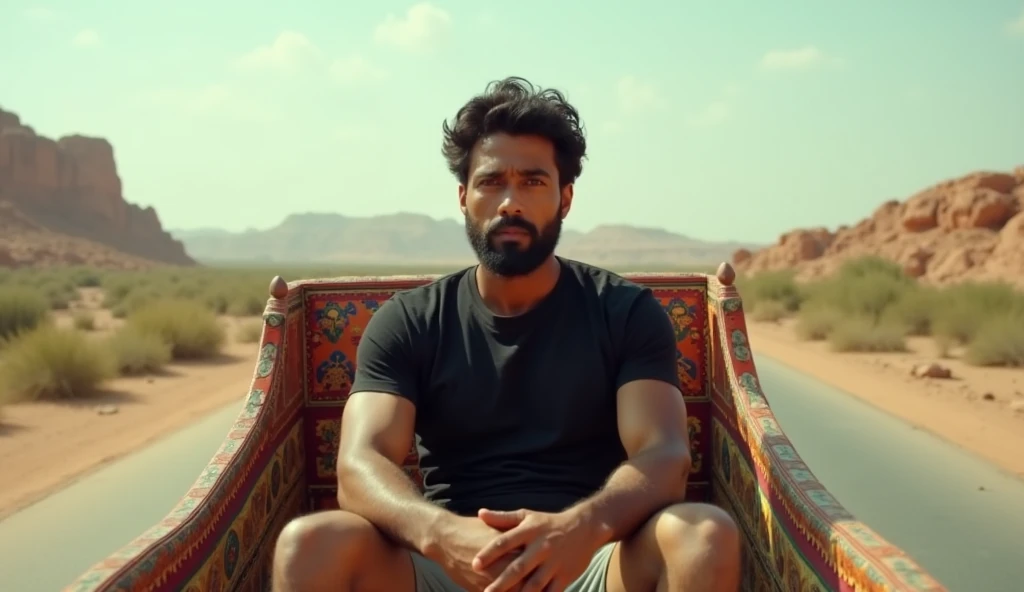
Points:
(542, 394)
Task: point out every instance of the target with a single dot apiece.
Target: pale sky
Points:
(736, 121)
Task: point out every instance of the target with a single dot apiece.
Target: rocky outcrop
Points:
(25, 243)
(71, 186)
(968, 228)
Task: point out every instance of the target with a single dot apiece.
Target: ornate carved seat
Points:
(278, 460)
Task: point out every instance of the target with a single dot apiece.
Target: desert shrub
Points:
(871, 290)
(769, 311)
(58, 291)
(52, 363)
(136, 352)
(816, 322)
(914, 311)
(245, 305)
(115, 291)
(961, 310)
(998, 341)
(774, 286)
(862, 297)
(191, 329)
(872, 267)
(863, 335)
(86, 278)
(139, 299)
(21, 309)
(249, 332)
(59, 300)
(83, 320)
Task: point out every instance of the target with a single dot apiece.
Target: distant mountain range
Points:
(415, 239)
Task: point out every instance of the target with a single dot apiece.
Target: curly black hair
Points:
(516, 107)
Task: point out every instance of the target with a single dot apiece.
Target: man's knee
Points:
(692, 531)
(325, 547)
(336, 530)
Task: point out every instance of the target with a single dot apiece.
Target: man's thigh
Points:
(430, 577)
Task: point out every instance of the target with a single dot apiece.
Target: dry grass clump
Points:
(52, 363)
(871, 305)
(190, 329)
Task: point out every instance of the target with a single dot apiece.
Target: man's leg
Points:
(683, 548)
(337, 551)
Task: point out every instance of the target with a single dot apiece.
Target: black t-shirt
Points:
(517, 412)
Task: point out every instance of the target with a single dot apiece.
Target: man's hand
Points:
(461, 541)
(556, 549)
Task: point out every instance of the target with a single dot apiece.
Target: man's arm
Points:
(652, 427)
(377, 432)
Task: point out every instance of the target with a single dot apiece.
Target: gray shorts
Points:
(430, 577)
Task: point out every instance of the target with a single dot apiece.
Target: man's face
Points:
(513, 204)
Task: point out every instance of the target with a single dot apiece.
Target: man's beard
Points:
(508, 258)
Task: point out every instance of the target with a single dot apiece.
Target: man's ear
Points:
(567, 193)
(462, 198)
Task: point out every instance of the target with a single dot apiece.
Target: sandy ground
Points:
(45, 446)
(979, 409)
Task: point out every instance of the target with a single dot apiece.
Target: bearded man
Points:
(542, 394)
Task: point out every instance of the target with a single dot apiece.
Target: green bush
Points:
(861, 307)
(136, 352)
(815, 323)
(961, 310)
(861, 335)
(249, 332)
(52, 363)
(999, 341)
(773, 286)
(83, 320)
(87, 278)
(191, 329)
(246, 305)
(769, 311)
(914, 311)
(862, 297)
(873, 267)
(21, 309)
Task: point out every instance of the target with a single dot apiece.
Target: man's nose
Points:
(511, 204)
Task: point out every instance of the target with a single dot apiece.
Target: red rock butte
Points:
(67, 193)
(966, 229)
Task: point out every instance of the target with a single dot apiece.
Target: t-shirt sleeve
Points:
(649, 344)
(386, 360)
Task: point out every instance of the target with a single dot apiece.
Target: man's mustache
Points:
(510, 223)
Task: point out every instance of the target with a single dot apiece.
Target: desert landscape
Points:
(112, 335)
(916, 309)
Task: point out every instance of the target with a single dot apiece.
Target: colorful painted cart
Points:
(278, 460)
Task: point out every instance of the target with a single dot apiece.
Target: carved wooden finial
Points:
(726, 274)
(278, 287)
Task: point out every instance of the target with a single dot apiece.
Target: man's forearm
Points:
(637, 489)
(379, 490)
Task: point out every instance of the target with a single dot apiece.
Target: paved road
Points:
(46, 546)
(960, 517)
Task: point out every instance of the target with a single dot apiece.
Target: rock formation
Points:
(24, 243)
(71, 187)
(969, 228)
